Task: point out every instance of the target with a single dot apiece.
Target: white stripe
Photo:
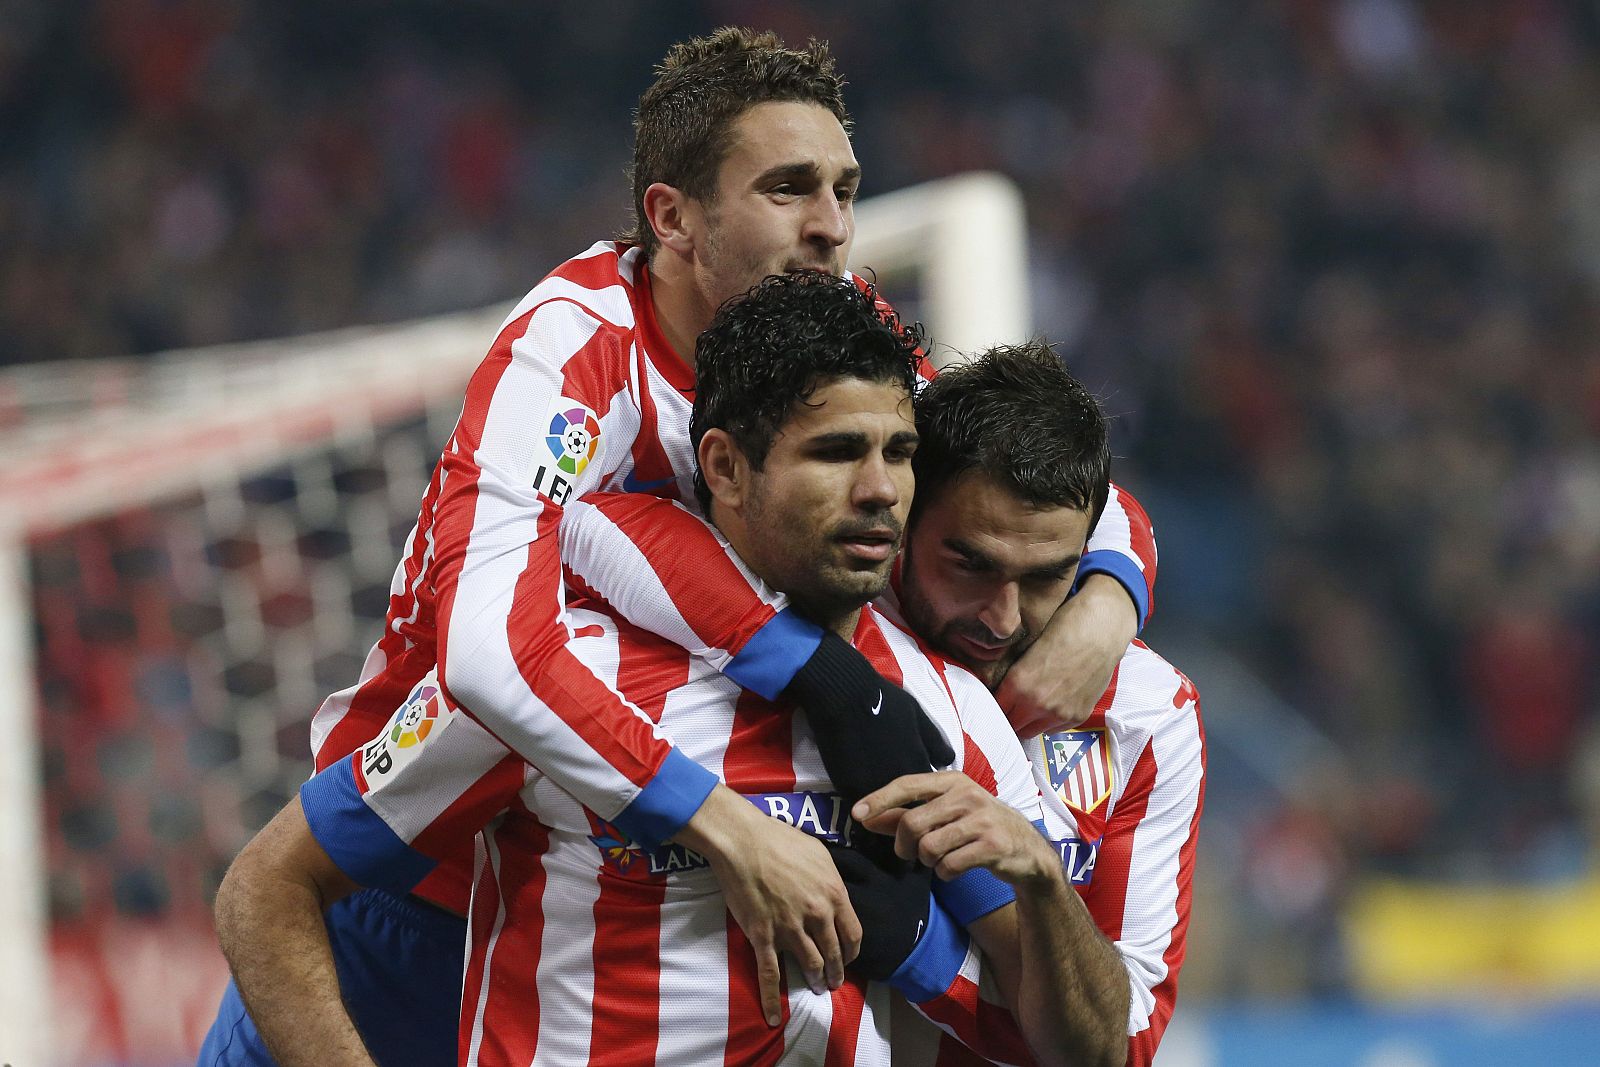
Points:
(805, 1032)
(693, 1004)
(566, 952)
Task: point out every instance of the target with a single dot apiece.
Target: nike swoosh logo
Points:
(879, 705)
(920, 924)
(631, 484)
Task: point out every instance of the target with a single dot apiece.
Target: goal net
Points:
(194, 549)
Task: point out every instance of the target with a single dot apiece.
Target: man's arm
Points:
(501, 624)
(269, 923)
(1064, 980)
(1057, 681)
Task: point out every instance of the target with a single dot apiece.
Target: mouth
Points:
(981, 651)
(874, 546)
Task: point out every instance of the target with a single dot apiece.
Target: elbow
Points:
(232, 909)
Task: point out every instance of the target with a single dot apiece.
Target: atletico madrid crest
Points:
(1081, 771)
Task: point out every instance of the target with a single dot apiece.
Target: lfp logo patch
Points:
(424, 713)
(573, 438)
(417, 719)
(1081, 771)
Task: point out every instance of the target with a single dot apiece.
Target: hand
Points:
(1057, 682)
(783, 891)
(891, 900)
(950, 823)
(868, 731)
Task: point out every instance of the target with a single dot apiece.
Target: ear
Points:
(674, 217)
(725, 469)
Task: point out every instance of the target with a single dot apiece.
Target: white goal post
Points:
(85, 443)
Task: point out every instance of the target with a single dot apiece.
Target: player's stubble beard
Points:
(940, 633)
(822, 586)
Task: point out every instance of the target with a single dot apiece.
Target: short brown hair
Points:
(681, 127)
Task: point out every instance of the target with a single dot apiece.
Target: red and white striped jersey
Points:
(580, 392)
(587, 947)
(1123, 794)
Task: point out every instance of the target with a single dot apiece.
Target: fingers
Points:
(905, 790)
(848, 928)
(769, 977)
(830, 973)
(802, 945)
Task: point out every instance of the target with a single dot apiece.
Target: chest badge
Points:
(1081, 771)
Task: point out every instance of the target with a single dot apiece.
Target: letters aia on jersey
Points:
(571, 439)
(1080, 766)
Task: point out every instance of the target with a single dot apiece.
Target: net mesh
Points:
(180, 652)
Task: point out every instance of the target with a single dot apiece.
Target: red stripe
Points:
(714, 593)
(844, 1028)
(591, 272)
(1142, 1046)
(751, 1042)
(977, 1023)
(480, 802)
(1142, 539)
(511, 1015)
(486, 895)
(625, 1024)
(975, 765)
(1107, 894)
(760, 753)
(870, 641)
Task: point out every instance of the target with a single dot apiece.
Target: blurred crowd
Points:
(1333, 264)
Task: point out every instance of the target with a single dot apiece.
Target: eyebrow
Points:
(796, 171)
(1052, 570)
(858, 439)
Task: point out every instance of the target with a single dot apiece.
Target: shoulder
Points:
(588, 294)
(1154, 705)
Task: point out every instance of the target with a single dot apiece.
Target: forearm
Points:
(1072, 989)
(270, 926)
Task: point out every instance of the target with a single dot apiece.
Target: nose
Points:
(1003, 612)
(828, 222)
(875, 486)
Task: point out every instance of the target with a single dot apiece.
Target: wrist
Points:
(719, 826)
(1110, 600)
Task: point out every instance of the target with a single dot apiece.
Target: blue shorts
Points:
(399, 963)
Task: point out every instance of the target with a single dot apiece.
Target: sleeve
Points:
(389, 812)
(545, 417)
(954, 990)
(1140, 893)
(1123, 546)
(668, 571)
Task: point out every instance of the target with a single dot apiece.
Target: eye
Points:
(847, 194)
(899, 453)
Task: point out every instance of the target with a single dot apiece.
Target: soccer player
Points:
(1001, 515)
(742, 168)
(587, 946)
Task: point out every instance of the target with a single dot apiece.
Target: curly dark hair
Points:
(1015, 414)
(682, 127)
(775, 346)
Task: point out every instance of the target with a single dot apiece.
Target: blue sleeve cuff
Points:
(973, 895)
(355, 837)
(1127, 573)
(768, 661)
(933, 965)
(669, 800)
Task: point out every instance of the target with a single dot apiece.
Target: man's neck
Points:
(844, 624)
(681, 311)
